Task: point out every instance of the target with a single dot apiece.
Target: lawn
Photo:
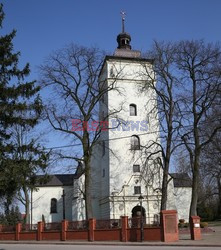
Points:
(216, 223)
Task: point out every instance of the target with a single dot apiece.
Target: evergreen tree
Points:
(12, 218)
(30, 159)
(20, 106)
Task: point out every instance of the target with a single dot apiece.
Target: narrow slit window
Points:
(133, 110)
(103, 148)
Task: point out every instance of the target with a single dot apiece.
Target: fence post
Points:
(195, 229)
(64, 226)
(0, 227)
(40, 230)
(17, 231)
(169, 225)
(124, 226)
(92, 226)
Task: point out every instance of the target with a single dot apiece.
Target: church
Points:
(125, 182)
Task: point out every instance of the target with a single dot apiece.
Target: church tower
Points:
(122, 171)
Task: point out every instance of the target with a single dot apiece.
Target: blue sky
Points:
(46, 25)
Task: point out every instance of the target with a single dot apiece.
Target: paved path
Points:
(92, 247)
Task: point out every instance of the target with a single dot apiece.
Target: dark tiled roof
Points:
(129, 58)
(181, 180)
(58, 180)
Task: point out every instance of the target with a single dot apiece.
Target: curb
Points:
(107, 243)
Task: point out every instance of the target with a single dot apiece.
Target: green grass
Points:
(216, 223)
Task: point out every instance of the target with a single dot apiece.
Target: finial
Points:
(123, 14)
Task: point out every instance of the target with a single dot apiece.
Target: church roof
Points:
(58, 180)
(138, 59)
(181, 180)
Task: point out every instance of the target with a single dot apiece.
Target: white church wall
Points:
(78, 204)
(123, 157)
(171, 205)
(182, 201)
(41, 203)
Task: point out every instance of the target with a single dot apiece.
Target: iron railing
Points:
(54, 226)
(78, 225)
(135, 222)
(108, 224)
(8, 228)
(29, 227)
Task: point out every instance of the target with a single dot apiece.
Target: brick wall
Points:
(107, 230)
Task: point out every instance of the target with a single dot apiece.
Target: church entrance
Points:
(136, 212)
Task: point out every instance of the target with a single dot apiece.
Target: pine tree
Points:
(12, 217)
(20, 106)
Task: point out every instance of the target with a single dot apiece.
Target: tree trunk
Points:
(87, 162)
(164, 191)
(27, 206)
(219, 196)
(165, 181)
(194, 199)
(195, 168)
(167, 162)
(88, 205)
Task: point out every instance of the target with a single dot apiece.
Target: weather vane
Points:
(123, 14)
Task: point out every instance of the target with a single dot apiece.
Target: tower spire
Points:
(123, 14)
(123, 39)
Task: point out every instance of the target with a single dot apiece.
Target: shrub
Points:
(203, 224)
(181, 220)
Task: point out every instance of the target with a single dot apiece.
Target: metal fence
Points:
(78, 225)
(29, 227)
(8, 229)
(108, 224)
(55, 226)
(135, 222)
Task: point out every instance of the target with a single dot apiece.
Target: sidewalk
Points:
(211, 239)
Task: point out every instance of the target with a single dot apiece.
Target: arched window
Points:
(53, 205)
(133, 110)
(135, 142)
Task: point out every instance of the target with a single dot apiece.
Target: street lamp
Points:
(141, 217)
(63, 201)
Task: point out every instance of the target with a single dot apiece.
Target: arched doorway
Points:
(136, 211)
(136, 216)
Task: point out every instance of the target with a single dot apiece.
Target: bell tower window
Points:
(135, 142)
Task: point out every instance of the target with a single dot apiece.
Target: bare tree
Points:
(200, 77)
(188, 80)
(163, 81)
(73, 74)
(211, 163)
